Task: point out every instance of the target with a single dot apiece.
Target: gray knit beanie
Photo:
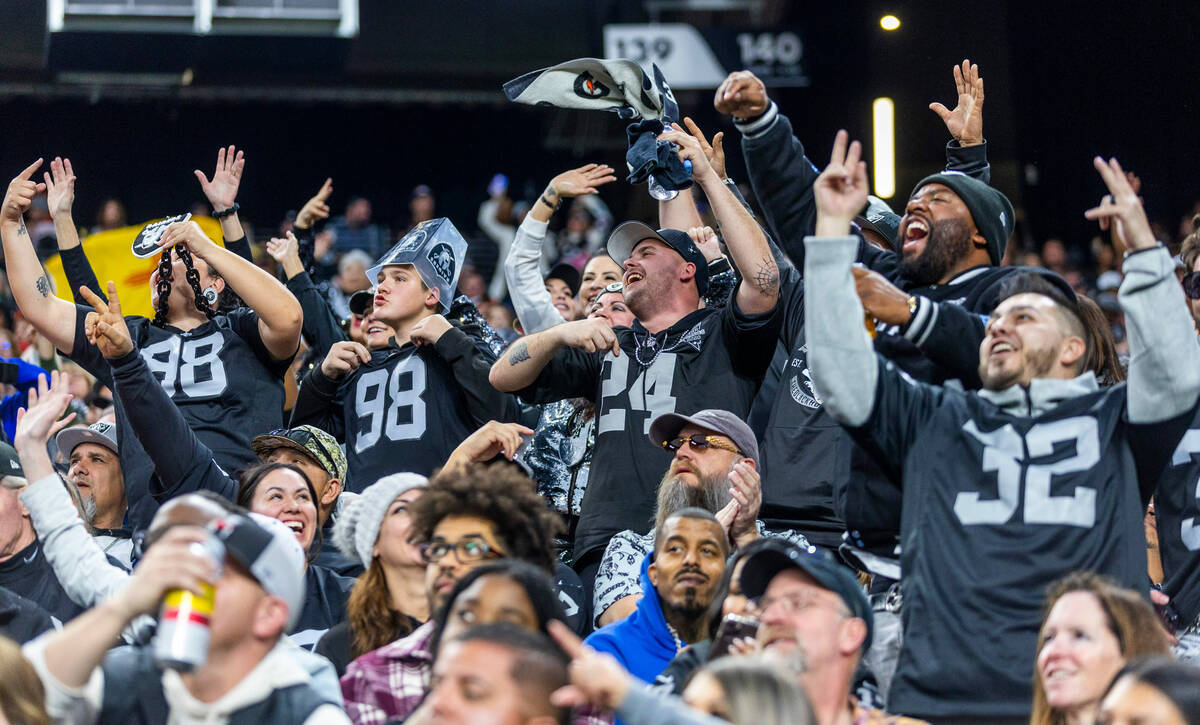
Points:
(357, 525)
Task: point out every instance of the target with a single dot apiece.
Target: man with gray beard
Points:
(714, 468)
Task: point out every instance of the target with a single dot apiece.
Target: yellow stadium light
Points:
(889, 22)
(884, 154)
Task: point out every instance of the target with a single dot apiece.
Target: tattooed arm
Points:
(521, 363)
(759, 289)
(50, 315)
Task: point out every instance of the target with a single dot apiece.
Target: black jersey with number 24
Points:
(708, 359)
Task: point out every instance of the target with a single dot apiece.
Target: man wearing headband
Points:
(419, 386)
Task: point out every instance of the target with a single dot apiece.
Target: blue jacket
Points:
(641, 642)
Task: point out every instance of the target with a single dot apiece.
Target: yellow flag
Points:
(111, 259)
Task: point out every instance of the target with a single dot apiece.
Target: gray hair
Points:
(759, 691)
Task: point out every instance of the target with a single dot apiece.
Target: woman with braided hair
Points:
(224, 371)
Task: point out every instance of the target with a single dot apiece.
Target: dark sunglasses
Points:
(700, 442)
(1191, 285)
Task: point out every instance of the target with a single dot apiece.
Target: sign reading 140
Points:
(691, 58)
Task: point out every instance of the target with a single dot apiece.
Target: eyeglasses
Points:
(1191, 285)
(700, 442)
(304, 437)
(794, 604)
(466, 551)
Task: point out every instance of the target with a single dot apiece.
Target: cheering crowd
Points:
(803, 460)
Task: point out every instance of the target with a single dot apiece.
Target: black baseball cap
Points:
(10, 463)
(569, 275)
(777, 556)
(361, 301)
(628, 235)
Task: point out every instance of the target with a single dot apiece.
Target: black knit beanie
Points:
(991, 210)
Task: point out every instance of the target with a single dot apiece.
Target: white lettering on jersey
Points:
(404, 418)
(1189, 530)
(194, 366)
(650, 392)
(1004, 453)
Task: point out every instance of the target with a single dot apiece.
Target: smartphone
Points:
(733, 627)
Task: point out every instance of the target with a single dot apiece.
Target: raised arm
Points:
(221, 193)
(77, 560)
(60, 197)
(181, 462)
(51, 316)
(779, 171)
(840, 356)
(524, 360)
(320, 328)
(280, 318)
(759, 289)
(967, 150)
(522, 267)
(68, 659)
(1164, 365)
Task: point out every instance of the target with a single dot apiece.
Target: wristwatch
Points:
(912, 305)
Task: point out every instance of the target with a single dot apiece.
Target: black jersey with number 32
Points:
(997, 507)
(408, 408)
(1177, 506)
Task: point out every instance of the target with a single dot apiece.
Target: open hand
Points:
(1122, 207)
(60, 186)
(581, 181)
(284, 250)
(742, 95)
(222, 190)
(841, 189)
(105, 328)
(965, 122)
(19, 196)
(317, 208)
(40, 420)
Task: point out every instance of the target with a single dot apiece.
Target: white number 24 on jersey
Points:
(404, 418)
(1004, 452)
(194, 364)
(649, 393)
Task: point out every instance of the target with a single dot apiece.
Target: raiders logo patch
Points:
(441, 258)
(147, 241)
(413, 241)
(588, 87)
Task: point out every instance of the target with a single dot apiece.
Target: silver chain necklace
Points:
(649, 343)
